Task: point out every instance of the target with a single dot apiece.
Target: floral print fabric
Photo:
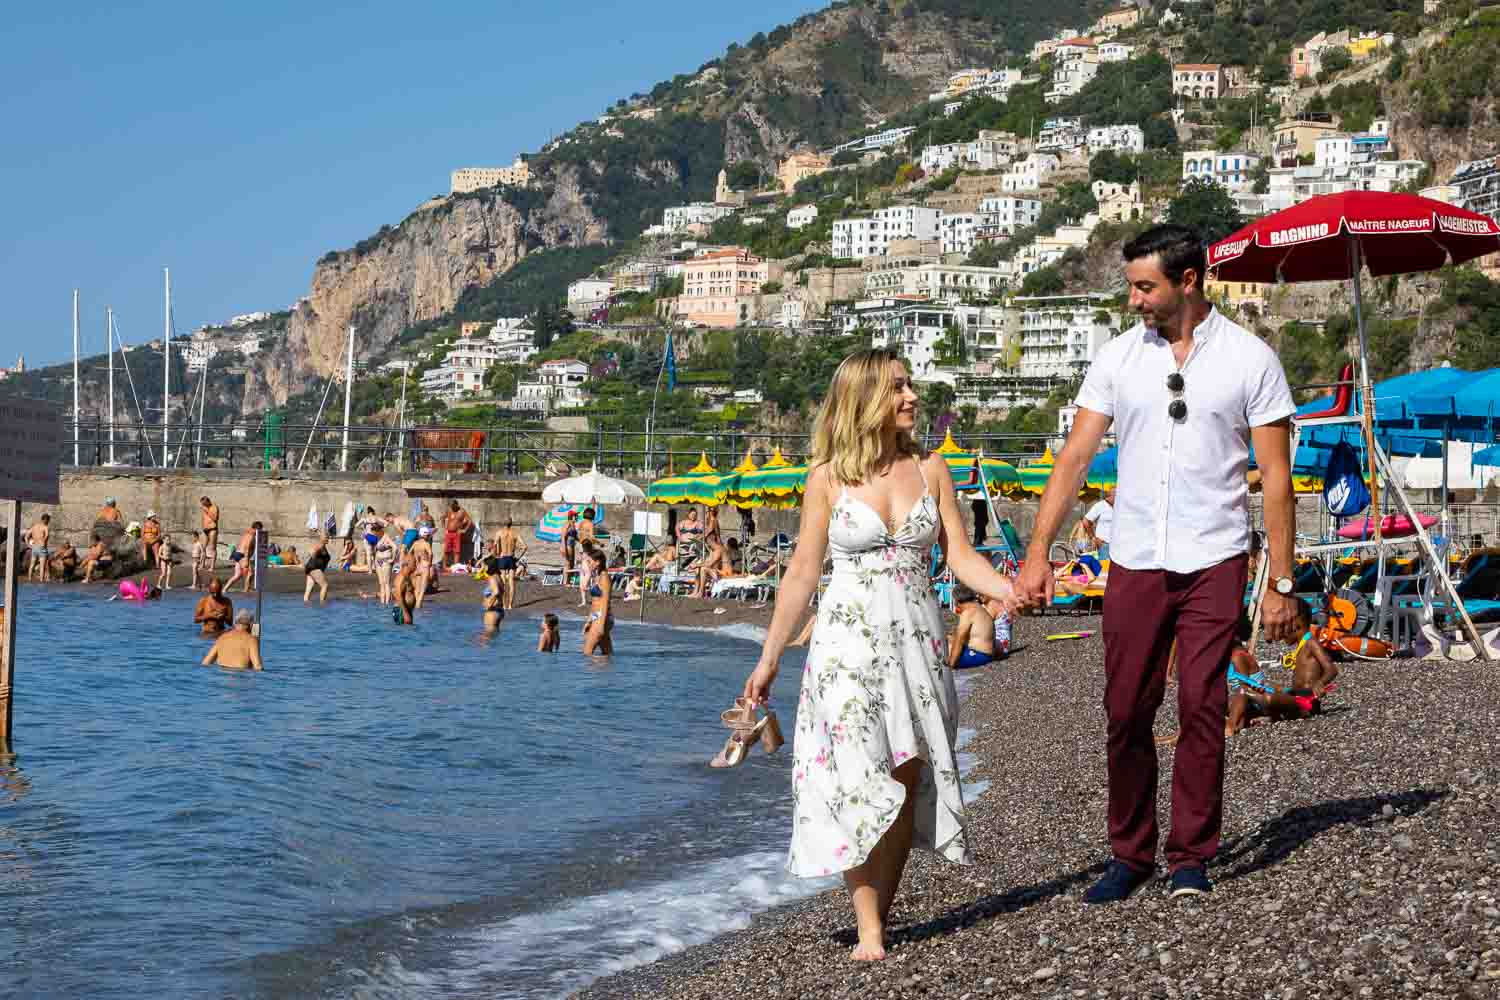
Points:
(876, 693)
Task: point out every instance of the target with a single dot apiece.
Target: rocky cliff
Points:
(413, 272)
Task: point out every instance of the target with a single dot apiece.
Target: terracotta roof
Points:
(1194, 66)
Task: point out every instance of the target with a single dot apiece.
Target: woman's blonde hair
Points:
(851, 423)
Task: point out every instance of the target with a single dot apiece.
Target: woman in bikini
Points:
(596, 632)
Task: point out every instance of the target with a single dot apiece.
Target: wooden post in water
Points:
(8, 626)
(262, 539)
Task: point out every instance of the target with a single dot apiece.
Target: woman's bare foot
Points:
(871, 947)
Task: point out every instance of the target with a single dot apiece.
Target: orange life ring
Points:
(1355, 645)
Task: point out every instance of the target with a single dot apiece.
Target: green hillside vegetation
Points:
(1262, 32)
(1448, 79)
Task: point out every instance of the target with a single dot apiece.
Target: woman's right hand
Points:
(758, 686)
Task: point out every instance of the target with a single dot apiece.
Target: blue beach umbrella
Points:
(555, 521)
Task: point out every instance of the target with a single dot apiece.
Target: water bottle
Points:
(1002, 634)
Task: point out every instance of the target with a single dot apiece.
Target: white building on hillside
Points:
(557, 384)
(860, 238)
(1228, 170)
(956, 231)
(1029, 173)
(1000, 216)
(586, 294)
(1070, 77)
(1061, 334)
(937, 281)
(699, 213)
(1116, 52)
(1059, 135)
(800, 216)
(991, 151)
(1120, 138)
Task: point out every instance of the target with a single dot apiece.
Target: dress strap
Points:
(923, 473)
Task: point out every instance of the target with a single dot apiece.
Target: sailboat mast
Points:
(109, 333)
(75, 378)
(166, 362)
(348, 399)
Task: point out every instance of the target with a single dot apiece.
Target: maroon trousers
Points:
(1144, 610)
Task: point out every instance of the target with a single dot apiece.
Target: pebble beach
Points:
(1358, 858)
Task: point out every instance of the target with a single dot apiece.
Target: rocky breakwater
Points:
(416, 271)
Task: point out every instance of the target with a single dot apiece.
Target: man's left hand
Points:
(1278, 617)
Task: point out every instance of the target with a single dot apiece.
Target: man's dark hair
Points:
(1178, 248)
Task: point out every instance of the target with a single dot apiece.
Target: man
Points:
(65, 561)
(508, 551)
(210, 535)
(98, 560)
(1098, 522)
(456, 527)
(723, 562)
(238, 649)
(1188, 391)
(972, 643)
(243, 557)
(214, 610)
(36, 538)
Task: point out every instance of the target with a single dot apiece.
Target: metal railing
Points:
(502, 450)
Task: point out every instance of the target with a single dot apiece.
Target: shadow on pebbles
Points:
(1358, 859)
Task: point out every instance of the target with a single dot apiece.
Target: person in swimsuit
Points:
(99, 559)
(210, 529)
(690, 530)
(64, 561)
(109, 512)
(972, 643)
(150, 536)
(243, 558)
(384, 557)
(493, 603)
(406, 589)
(721, 564)
(237, 649)
(421, 552)
(457, 525)
(508, 549)
(166, 558)
(317, 562)
(712, 532)
(214, 611)
(37, 539)
(1252, 698)
(569, 544)
(596, 631)
(551, 636)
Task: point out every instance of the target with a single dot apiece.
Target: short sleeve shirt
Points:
(1181, 501)
(1103, 516)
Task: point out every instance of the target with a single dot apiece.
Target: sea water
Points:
(384, 812)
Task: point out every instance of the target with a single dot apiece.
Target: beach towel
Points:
(346, 520)
(313, 520)
(331, 525)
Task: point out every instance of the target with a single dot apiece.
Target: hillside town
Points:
(953, 260)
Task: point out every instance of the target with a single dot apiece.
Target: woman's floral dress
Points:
(876, 693)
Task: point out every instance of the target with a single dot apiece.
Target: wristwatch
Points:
(1284, 585)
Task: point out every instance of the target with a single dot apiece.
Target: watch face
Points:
(1284, 585)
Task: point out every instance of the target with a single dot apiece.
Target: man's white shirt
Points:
(1102, 515)
(1182, 502)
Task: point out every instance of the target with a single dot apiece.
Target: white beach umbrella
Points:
(592, 487)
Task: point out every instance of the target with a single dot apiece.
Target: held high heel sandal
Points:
(745, 731)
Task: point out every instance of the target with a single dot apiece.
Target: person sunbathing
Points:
(972, 643)
(1082, 574)
(662, 558)
(721, 564)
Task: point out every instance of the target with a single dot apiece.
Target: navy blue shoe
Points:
(1119, 881)
(1190, 881)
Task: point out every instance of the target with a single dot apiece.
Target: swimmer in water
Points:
(494, 604)
(406, 589)
(551, 636)
(236, 649)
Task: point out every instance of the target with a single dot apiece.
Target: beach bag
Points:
(312, 518)
(1344, 490)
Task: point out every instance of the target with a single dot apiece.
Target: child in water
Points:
(1252, 698)
(551, 636)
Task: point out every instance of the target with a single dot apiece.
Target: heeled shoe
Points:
(746, 731)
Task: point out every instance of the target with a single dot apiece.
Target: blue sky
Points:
(238, 143)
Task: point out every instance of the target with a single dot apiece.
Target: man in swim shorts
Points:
(64, 561)
(508, 550)
(236, 649)
(243, 557)
(98, 560)
(456, 527)
(214, 611)
(37, 538)
(405, 589)
(972, 643)
(210, 529)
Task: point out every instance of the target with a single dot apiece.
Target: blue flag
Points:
(669, 365)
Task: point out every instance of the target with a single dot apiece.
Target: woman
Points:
(587, 540)
(317, 562)
(596, 631)
(406, 591)
(690, 530)
(712, 532)
(384, 559)
(876, 769)
(421, 552)
(569, 543)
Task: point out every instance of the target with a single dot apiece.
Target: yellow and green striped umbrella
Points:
(700, 484)
(998, 476)
(777, 484)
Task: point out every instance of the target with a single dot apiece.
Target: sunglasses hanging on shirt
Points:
(1177, 408)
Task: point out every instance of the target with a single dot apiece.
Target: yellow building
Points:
(466, 179)
(799, 167)
(1236, 294)
(1118, 20)
(1295, 138)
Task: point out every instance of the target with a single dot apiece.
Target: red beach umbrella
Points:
(1334, 237)
(1327, 239)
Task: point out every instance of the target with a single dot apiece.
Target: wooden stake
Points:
(8, 627)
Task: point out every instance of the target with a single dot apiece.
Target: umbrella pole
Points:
(1366, 392)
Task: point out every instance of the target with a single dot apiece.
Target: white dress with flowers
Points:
(876, 692)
